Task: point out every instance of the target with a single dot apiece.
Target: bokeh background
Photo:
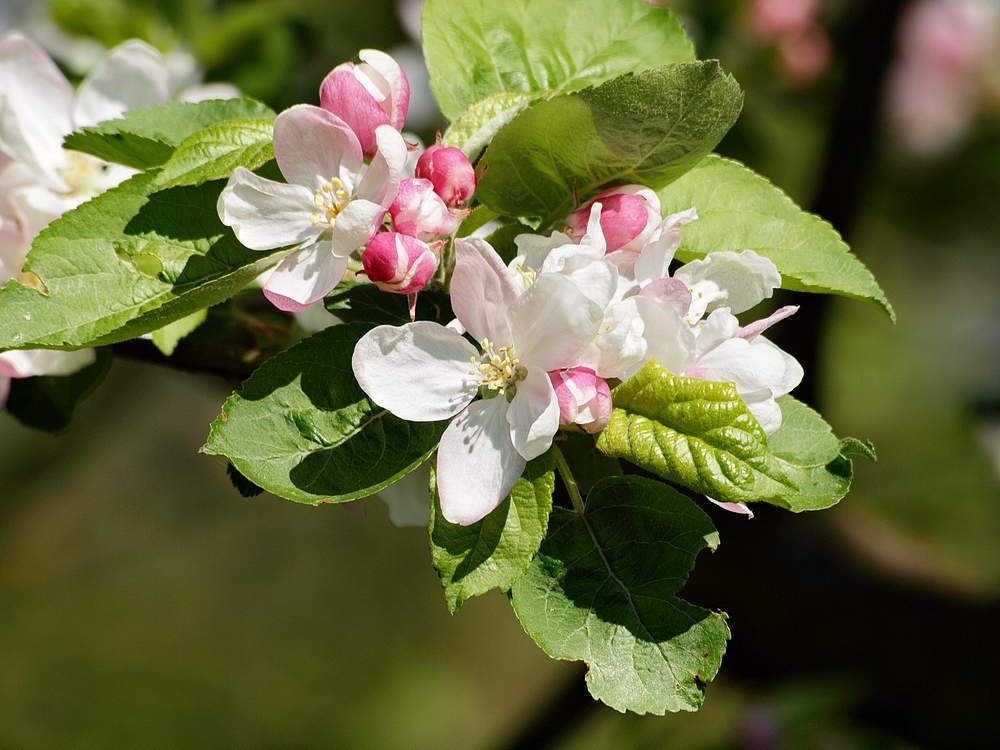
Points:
(145, 603)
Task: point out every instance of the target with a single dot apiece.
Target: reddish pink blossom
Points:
(399, 263)
(451, 173)
(629, 214)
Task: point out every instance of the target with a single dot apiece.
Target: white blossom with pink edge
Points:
(427, 372)
(367, 96)
(330, 207)
(420, 212)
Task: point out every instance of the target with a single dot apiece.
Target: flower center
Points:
(528, 274)
(498, 368)
(332, 198)
(83, 173)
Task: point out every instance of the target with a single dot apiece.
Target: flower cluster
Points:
(537, 341)
(39, 180)
(347, 193)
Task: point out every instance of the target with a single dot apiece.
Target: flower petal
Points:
(381, 181)
(304, 277)
(482, 289)
(343, 94)
(533, 414)
(378, 65)
(738, 281)
(35, 105)
(477, 464)
(654, 260)
(409, 498)
(31, 362)
(130, 76)
(553, 323)
(312, 146)
(419, 371)
(355, 226)
(265, 214)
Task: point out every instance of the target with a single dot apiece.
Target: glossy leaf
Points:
(603, 590)
(128, 262)
(649, 128)
(738, 210)
(214, 152)
(303, 429)
(478, 48)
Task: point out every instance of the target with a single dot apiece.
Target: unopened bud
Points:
(584, 398)
(420, 212)
(628, 216)
(399, 263)
(451, 173)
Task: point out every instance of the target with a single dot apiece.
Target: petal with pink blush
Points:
(343, 95)
(482, 289)
(313, 146)
(305, 277)
(381, 181)
(393, 83)
(477, 463)
(265, 214)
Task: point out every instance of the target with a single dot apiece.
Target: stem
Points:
(568, 479)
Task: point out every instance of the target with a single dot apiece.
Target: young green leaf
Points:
(701, 435)
(145, 138)
(128, 262)
(603, 590)
(167, 338)
(649, 128)
(475, 128)
(303, 429)
(738, 210)
(214, 152)
(496, 551)
(476, 48)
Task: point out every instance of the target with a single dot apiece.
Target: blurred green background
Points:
(145, 603)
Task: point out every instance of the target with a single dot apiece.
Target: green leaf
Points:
(128, 262)
(362, 302)
(738, 210)
(496, 551)
(649, 128)
(47, 402)
(475, 128)
(589, 465)
(603, 590)
(145, 138)
(477, 48)
(214, 152)
(166, 339)
(701, 435)
(303, 429)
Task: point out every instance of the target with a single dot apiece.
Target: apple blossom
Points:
(399, 263)
(327, 208)
(367, 96)
(451, 173)
(424, 371)
(419, 212)
(584, 398)
(629, 214)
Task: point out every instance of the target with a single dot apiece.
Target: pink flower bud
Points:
(399, 263)
(365, 96)
(584, 398)
(628, 216)
(451, 173)
(419, 212)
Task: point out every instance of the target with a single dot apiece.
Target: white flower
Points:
(427, 372)
(330, 206)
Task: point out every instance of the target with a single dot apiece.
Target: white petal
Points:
(313, 146)
(477, 464)
(35, 108)
(419, 371)
(409, 498)
(655, 258)
(481, 291)
(355, 226)
(553, 323)
(265, 214)
(750, 366)
(533, 414)
(305, 277)
(394, 87)
(734, 280)
(620, 345)
(31, 362)
(131, 76)
(669, 339)
(381, 181)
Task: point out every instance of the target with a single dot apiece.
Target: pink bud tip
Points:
(584, 399)
(399, 263)
(451, 173)
(628, 215)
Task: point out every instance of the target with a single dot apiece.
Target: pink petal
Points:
(379, 65)
(343, 95)
(752, 330)
(313, 146)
